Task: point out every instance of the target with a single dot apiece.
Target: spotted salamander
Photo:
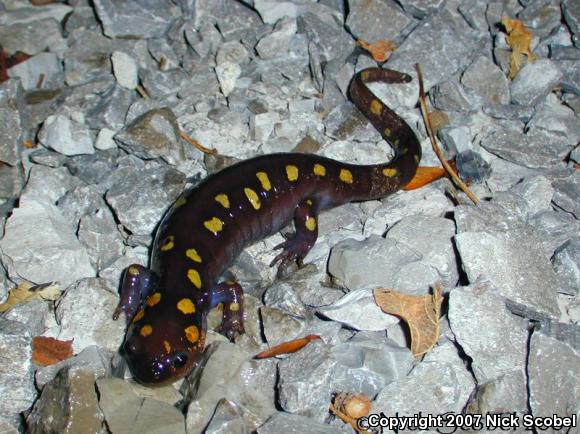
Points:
(209, 225)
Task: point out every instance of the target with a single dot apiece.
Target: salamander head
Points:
(159, 351)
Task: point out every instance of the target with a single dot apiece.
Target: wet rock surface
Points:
(92, 154)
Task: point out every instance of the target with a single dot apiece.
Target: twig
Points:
(141, 90)
(436, 148)
(196, 144)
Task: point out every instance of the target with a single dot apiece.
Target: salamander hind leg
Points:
(138, 283)
(230, 294)
(297, 246)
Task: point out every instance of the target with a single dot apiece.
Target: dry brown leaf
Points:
(380, 50)
(48, 351)
(421, 313)
(27, 291)
(519, 39)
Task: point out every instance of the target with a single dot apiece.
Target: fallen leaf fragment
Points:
(287, 347)
(425, 175)
(349, 407)
(421, 313)
(519, 39)
(29, 144)
(27, 291)
(7, 62)
(48, 351)
(380, 50)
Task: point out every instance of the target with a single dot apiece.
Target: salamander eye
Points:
(179, 360)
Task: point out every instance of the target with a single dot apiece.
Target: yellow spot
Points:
(230, 282)
(234, 307)
(417, 158)
(309, 202)
(133, 271)
(223, 200)
(168, 243)
(387, 132)
(376, 107)
(192, 334)
(167, 346)
(264, 180)
(292, 172)
(138, 315)
(396, 143)
(364, 75)
(186, 306)
(403, 151)
(345, 176)
(153, 299)
(310, 223)
(253, 198)
(390, 172)
(214, 225)
(180, 202)
(146, 330)
(193, 255)
(193, 275)
(319, 170)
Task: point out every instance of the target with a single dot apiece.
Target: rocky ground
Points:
(92, 156)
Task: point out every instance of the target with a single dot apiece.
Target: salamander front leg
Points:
(230, 294)
(297, 246)
(138, 283)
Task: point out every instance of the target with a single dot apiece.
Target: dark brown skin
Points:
(210, 225)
